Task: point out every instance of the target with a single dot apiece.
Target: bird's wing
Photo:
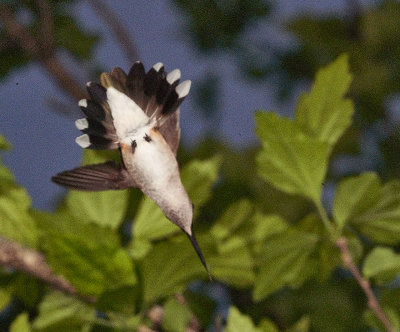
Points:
(109, 175)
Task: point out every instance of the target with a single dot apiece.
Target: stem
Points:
(373, 303)
(33, 49)
(33, 263)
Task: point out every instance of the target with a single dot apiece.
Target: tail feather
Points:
(156, 93)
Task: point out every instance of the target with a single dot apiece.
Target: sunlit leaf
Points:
(354, 196)
(176, 316)
(382, 264)
(324, 113)
(289, 160)
(5, 298)
(238, 322)
(21, 323)
(368, 206)
(89, 256)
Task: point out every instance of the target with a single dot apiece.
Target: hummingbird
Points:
(137, 113)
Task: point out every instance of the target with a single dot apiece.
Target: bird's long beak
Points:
(199, 253)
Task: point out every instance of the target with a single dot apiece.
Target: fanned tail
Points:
(123, 102)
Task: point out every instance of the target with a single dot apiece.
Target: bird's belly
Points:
(152, 165)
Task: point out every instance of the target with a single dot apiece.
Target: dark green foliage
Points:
(219, 24)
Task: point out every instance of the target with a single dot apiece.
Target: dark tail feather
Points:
(199, 253)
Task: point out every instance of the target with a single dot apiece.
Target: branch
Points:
(373, 303)
(113, 21)
(46, 26)
(15, 256)
(18, 33)
(22, 37)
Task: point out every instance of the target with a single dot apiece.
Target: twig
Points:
(46, 26)
(373, 303)
(15, 256)
(120, 33)
(22, 37)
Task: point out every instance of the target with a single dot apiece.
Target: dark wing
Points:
(106, 176)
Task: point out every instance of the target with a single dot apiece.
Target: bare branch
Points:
(112, 20)
(373, 303)
(21, 36)
(46, 27)
(64, 78)
(18, 33)
(15, 256)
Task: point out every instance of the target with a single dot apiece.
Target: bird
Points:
(138, 114)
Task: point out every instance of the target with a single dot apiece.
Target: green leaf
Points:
(105, 208)
(354, 196)
(238, 322)
(234, 216)
(21, 323)
(324, 113)
(369, 207)
(121, 300)
(5, 298)
(198, 178)
(289, 160)
(6, 177)
(303, 325)
(266, 325)
(58, 312)
(176, 316)
(168, 267)
(393, 316)
(383, 264)
(89, 256)
(15, 221)
(232, 263)
(4, 144)
(285, 261)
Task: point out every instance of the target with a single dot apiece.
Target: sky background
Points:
(43, 140)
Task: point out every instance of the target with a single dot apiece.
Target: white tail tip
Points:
(183, 89)
(83, 141)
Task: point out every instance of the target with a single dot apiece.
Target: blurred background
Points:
(242, 55)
